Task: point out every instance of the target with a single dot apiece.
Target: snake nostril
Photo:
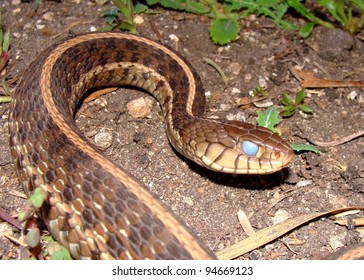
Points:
(276, 155)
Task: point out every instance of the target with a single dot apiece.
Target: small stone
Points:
(48, 16)
(99, 2)
(352, 95)
(28, 25)
(262, 82)
(248, 77)
(138, 20)
(140, 108)
(40, 26)
(16, 11)
(16, 35)
(234, 68)
(280, 216)
(235, 91)
(337, 241)
(304, 183)
(103, 140)
(263, 104)
(225, 107)
(240, 116)
(173, 37)
(188, 200)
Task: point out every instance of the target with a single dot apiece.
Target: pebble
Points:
(280, 216)
(262, 82)
(173, 37)
(100, 2)
(5, 228)
(304, 183)
(138, 20)
(336, 241)
(240, 116)
(234, 68)
(103, 140)
(352, 95)
(140, 108)
(48, 16)
(188, 200)
(235, 91)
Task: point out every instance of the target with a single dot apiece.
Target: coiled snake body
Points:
(93, 207)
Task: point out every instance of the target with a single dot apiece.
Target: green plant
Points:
(4, 58)
(4, 47)
(269, 119)
(260, 91)
(33, 237)
(226, 14)
(342, 10)
(291, 106)
(125, 7)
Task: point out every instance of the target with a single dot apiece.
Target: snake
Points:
(93, 207)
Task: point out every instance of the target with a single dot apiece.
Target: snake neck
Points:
(165, 75)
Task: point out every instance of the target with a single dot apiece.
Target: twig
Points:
(6, 217)
(218, 69)
(337, 142)
(308, 80)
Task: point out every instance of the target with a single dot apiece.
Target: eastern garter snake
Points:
(93, 207)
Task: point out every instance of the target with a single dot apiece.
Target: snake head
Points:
(238, 148)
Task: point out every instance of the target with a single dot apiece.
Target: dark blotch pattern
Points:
(53, 159)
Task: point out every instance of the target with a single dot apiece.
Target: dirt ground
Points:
(208, 202)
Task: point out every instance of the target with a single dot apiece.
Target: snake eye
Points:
(249, 148)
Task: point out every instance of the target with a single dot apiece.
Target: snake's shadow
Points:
(253, 182)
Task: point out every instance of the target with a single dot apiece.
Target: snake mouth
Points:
(250, 165)
(268, 159)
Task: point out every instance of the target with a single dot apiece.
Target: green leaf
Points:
(33, 237)
(48, 238)
(286, 100)
(38, 197)
(269, 118)
(61, 254)
(305, 147)
(22, 216)
(224, 30)
(288, 113)
(289, 108)
(305, 108)
(189, 6)
(112, 12)
(296, 4)
(6, 42)
(300, 96)
(359, 4)
(306, 30)
(140, 8)
(332, 7)
(5, 99)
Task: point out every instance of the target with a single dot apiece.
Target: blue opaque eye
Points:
(249, 148)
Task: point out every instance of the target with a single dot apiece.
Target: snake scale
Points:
(93, 207)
